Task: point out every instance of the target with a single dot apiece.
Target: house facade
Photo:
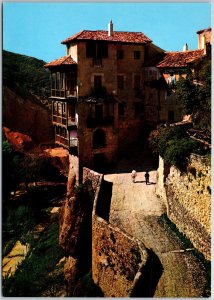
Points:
(161, 74)
(107, 88)
(97, 95)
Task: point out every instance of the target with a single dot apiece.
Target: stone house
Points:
(108, 88)
(96, 93)
(161, 74)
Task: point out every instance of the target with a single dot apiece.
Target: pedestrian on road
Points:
(147, 177)
(133, 175)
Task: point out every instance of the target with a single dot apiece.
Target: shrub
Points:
(177, 152)
(173, 145)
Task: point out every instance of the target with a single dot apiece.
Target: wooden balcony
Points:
(59, 120)
(63, 93)
(68, 122)
(65, 142)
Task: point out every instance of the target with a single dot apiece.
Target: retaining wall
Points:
(117, 258)
(188, 200)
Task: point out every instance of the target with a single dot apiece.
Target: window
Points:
(120, 82)
(90, 49)
(53, 81)
(136, 54)
(99, 112)
(138, 108)
(70, 83)
(136, 82)
(97, 83)
(171, 116)
(146, 55)
(102, 49)
(99, 139)
(121, 109)
(120, 54)
(96, 49)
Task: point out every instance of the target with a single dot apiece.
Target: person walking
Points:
(147, 177)
(133, 175)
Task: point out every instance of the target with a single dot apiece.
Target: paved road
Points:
(136, 208)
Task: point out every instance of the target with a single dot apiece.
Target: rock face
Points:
(75, 231)
(75, 218)
(20, 142)
(59, 159)
(71, 272)
(27, 116)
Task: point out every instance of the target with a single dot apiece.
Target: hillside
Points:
(26, 89)
(25, 75)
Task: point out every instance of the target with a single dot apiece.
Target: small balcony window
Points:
(137, 54)
(136, 82)
(120, 82)
(138, 109)
(99, 139)
(121, 109)
(120, 54)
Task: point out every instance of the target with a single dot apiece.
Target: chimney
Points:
(110, 28)
(204, 45)
(185, 48)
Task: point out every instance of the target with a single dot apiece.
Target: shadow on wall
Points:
(149, 279)
(104, 200)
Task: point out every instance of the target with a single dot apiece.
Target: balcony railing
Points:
(61, 140)
(63, 93)
(92, 122)
(58, 93)
(65, 142)
(59, 119)
(63, 120)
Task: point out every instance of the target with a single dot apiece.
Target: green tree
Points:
(10, 169)
(194, 94)
(173, 145)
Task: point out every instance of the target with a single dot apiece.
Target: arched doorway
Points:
(99, 139)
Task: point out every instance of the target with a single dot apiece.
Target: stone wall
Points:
(117, 258)
(188, 200)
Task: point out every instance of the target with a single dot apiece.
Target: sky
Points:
(37, 28)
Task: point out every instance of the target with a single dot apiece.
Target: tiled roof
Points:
(117, 36)
(204, 30)
(65, 60)
(153, 61)
(179, 59)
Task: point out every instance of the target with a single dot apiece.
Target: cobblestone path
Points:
(136, 209)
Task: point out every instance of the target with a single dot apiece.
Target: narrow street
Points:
(136, 209)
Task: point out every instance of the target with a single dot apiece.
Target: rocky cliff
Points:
(26, 87)
(27, 116)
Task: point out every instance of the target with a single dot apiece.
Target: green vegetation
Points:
(173, 145)
(25, 75)
(87, 288)
(25, 168)
(39, 272)
(196, 98)
(187, 244)
(10, 171)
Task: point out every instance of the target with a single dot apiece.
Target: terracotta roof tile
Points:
(179, 59)
(65, 60)
(102, 35)
(204, 30)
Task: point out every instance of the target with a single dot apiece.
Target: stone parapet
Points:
(117, 258)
